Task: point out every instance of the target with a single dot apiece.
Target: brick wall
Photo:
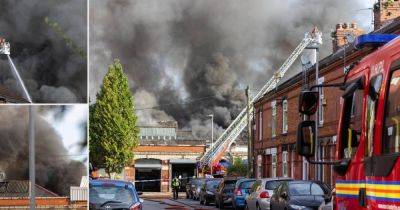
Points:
(41, 203)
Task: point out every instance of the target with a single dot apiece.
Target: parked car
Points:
(300, 195)
(207, 193)
(197, 188)
(113, 194)
(261, 192)
(224, 192)
(241, 191)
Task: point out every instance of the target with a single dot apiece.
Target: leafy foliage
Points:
(112, 123)
(238, 168)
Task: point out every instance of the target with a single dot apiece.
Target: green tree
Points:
(238, 168)
(112, 123)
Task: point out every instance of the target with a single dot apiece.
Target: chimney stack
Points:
(344, 34)
(385, 11)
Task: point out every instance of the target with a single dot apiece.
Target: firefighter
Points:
(176, 184)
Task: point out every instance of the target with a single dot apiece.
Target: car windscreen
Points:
(271, 185)
(102, 194)
(230, 184)
(247, 184)
(305, 189)
(212, 184)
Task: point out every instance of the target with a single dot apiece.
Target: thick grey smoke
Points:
(50, 61)
(54, 169)
(179, 51)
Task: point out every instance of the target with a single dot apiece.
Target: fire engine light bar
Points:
(374, 39)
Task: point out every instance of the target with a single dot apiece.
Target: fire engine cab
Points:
(367, 158)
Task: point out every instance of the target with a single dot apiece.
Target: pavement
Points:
(180, 204)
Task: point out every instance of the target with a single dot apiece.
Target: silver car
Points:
(261, 192)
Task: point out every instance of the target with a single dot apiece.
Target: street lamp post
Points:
(31, 137)
(212, 136)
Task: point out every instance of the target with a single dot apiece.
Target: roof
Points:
(8, 96)
(20, 188)
(185, 149)
(348, 50)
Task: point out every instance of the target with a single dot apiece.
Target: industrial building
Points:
(276, 115)
(166, 151)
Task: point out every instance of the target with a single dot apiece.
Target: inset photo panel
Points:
(43, 51)
(43, 157)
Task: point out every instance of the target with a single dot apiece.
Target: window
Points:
(284, 116)
(260, 126)
(273, 165)
(284, 164)
(351, 120)
(391, 129)
(321, 103)
(273, 120)
(372, 99)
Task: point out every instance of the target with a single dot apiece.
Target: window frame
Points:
(273, 118)
(394, 66)
(285, 164)
(285, 126)
(274, 165)
(260, 125)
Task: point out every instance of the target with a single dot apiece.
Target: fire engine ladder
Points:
(215, 153)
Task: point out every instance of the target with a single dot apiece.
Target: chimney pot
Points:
(338, 26)
(345, 25)
(354, 25)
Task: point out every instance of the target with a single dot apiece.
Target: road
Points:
(181, 204)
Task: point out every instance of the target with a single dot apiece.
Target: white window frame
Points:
(321, 100)
(260, 126)
(274, 163)
(284, 164)
(273, 119)
(284, 116)
(305, 169)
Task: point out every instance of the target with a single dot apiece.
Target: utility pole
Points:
(249, 139)
(31, 137)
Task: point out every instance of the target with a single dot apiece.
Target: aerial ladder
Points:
(215, 153)
(5, 50)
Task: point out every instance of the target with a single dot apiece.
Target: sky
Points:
(69, 128)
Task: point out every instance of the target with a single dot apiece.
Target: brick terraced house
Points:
(276, 115)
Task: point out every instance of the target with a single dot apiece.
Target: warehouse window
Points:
(273, 165)
(273, 123)
(284, 164)
(260, 126)
(284, 116)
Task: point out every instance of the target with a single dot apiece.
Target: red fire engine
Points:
(367, 155)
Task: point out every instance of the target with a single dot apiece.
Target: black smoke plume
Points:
(176, 52)
(54, 168)
(50, 55)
